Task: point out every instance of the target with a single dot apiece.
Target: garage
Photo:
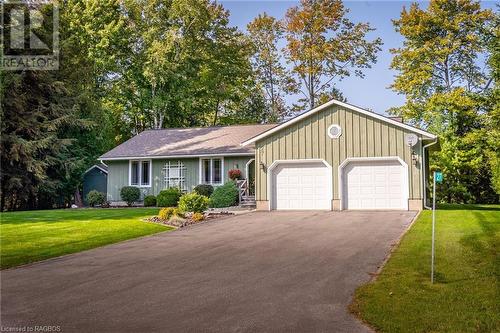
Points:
(375, 184)
(376, 162)
(301, 185)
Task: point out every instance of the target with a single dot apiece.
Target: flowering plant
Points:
(234, 174)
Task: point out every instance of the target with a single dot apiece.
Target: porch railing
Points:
(242, 188)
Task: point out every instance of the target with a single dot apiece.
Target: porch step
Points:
(248, 201)
(248, 204)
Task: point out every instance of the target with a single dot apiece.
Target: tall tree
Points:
(37, 109)
(54, 132)
(265, 32)
(249, 108)
(446, 83)
(93, 48)
(491, 129)
(323, 45)
(186, 62)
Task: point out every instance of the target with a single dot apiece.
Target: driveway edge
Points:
(375, 275)
(394, 246)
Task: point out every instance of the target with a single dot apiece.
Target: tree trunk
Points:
(311, 91)
(216, 112)
(78, 198)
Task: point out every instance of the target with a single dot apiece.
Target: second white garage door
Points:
(301, 186)
(375, 185)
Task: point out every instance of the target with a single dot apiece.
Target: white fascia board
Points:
(347, 106)
(172, 156)
(96, 166)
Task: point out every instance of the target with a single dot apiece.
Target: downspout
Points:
(423, 171)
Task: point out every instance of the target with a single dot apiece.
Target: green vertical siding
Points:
(117, 178)
(118, 174)
(236, 162)
(362, 136)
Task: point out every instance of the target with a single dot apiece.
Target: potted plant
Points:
(234, 174)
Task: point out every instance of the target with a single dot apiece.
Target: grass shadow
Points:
(69, 215)
(469, 207)
(487, 242)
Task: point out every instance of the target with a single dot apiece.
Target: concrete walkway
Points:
(258, 272)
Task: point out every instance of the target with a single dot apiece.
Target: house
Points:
(336, 156)
(180, 157)
(95, 178)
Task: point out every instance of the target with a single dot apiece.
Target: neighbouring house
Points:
(95, 178)
(334, 157)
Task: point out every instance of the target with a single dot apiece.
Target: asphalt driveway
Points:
(259, 272)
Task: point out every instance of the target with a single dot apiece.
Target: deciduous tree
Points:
(265, 32)
(447, 84)
(323, 45)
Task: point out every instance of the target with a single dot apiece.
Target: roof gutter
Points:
(423, 170)
(171, 156)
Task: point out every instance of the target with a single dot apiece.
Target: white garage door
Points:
(375, 185)
(301, 186)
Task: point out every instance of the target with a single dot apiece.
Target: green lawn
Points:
(466, 295)
(36, 235)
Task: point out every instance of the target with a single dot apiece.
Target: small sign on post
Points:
(438, 178)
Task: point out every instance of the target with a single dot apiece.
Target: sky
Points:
(373, 90)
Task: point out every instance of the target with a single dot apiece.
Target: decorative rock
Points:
(179, 222)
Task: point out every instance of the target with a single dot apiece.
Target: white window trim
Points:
(247, 167)
(182, 173)
(200, 167)
(140, 172)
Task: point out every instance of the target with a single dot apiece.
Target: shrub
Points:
(234, 174)
(169, 197)
(224, 196)
(197, 217)
(149, 201)
(130, 194)
(166, 213)
(193, 202)
(95, 198)
(204, 189)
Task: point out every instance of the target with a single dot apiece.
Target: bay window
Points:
(211, 171)
(140, 173)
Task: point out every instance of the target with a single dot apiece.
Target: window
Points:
(134, 173)
(211, 171)
(140, 173)
(145, 173)
(175, 174)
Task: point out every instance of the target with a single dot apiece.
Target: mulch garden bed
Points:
(180, 222)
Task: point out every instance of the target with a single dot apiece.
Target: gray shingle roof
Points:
(188, 141)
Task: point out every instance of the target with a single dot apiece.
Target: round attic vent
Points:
(334, 131)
